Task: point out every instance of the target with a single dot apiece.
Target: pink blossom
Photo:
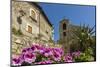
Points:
(68, 58)
(76, 54)
(16, 60)
(29, 57)
(45, 62)
(47, 52)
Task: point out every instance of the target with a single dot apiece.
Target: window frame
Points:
(28, 29)
(31, 9)
(64, 26)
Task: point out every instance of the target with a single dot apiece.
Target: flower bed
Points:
(39, 54)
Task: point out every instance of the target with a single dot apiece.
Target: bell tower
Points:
(63, 28)
(64, 34)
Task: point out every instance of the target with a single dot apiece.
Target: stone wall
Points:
(20, 42)
(26, 20)
(26, 39)
(45, 28)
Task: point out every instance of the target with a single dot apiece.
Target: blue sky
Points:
(75, 13)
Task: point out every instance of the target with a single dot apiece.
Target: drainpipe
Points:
(39, 27)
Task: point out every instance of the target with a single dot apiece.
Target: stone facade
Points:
(63, 28)
(29, 19)
(66, 33)
(45, 29)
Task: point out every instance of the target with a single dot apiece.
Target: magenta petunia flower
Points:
(27, 50)
(58, 50)
(36, 47)
(45, 62)
(56, 55)
(29, 57)
(76, 54)
(68, 58)
(47, 52)
(31, 54)
(48, 61)
(16, 60)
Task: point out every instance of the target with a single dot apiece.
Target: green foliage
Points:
(85, 42)
(19, 32)
(86, 56)
(39, 58)
(84, 36)
(16, 32)
(93, 46)
(74, 47)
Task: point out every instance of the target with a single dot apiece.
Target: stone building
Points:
(66, 33)
(29, 22)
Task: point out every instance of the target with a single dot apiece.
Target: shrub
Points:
(16, 32)
(86, 56)
(84, 36)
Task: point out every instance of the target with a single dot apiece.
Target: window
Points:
(29, 29)
(33, 14)
(64, 26)
(64, 33)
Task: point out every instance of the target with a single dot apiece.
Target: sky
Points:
(75, 13)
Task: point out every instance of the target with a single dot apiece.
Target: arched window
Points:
(33, 14)
(64, 26)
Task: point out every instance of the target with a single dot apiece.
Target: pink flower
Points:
(16, 60)
(47, 52)
(59, 50)
(76, 54)
(36, 47)
(68, 58)
(48, 61)
(29, 57)
(27, 50)
(46, 55)
(45, 62)
(56, 55)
